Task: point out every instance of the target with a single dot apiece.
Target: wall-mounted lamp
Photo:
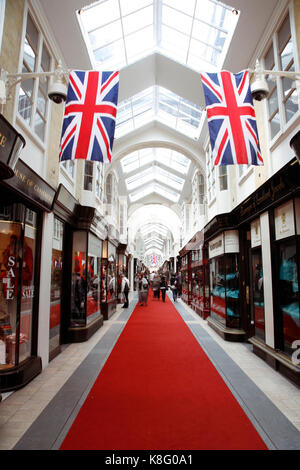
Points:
(260, 88)
(57, 89)
(11, 144)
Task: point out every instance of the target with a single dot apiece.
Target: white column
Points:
(267, 276)
(45, 287)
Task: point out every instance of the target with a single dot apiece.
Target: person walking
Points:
(174, 288)
(144, 290)
(156, 286)
(125, 290)
(163, 288)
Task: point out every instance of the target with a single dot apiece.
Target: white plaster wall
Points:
(267, 276)
(45, 284)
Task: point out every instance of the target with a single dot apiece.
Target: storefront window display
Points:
(257, 301)
(224, 280)
(17, 253)
(86, 269)
(56, 285)
(289, 295)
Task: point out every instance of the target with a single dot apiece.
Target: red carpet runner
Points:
(159, 391)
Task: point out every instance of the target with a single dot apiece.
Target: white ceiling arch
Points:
(142, 215)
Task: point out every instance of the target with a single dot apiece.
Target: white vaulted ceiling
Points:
(160, 47)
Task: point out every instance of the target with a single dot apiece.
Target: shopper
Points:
(163, 288)
(156, 286)
(125, 289)
(144, 290)
(174, 288)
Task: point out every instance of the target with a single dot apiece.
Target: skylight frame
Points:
(154, 187)
(158, 26)
(171, 159)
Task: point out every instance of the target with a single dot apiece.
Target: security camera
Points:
(57, 92)
(259, 89)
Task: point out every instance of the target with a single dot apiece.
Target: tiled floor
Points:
(21, 409)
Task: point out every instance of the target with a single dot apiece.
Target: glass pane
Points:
(287, 55)
(129, 7)
(138, 20)
(258, 306)
(45, 61)
(284, 32)
(214, 14)
(41, 103)
(106, 34)
(217, 290)
(114, 51)
(56, 285)
(139, 42)
(176, 20)
(10, 236)
(289, 295)
(25, 106)
(78, 287)
(32, 33)
(232, 291)
(291, 106)
(275, 125)
(111, 273)
(188, 6)
(273, 102)
(93, 278)
(39, 126)
(29, 56)
(100, 14)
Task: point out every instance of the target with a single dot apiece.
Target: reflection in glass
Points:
(257, 304)
(17, 256)
(56, 285)
(289, 295)
(78, 288)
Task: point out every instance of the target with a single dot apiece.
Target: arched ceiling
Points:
(160, 47)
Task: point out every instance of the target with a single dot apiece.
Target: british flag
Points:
(231, 118)
(90, 116)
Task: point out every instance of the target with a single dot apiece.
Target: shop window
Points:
(224, 290)
(85, 289)
(283, 98)
(257, 293)
(17, 285)
(88, 176)
(99, 181)
(223, 177)
(288, 293)
(56, 286)
(69, 166)
(33, 101)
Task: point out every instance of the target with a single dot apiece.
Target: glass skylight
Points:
(154, 187)
(160, 104)
(167, 157)
(154, 173)
(196, 33)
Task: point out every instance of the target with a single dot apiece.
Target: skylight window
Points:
(167, 157)
(154, 187)
(195, 32)
(161, 104)
(155, 173)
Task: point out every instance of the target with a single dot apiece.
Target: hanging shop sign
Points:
(255, 233)
(29, 184)
(284, 221)
(11, 143)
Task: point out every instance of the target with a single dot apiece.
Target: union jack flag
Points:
(90, 116)
(231, 118)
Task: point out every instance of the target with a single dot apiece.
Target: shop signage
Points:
(29, 184)
(11, 142)
(232, 241)
(216, 246)
(284, 221)
(255, 233)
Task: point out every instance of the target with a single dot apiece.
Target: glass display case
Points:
(17, 283)
(257, 293)
(85, 286)
(186, 278)
(200, 294)
(225, 290)
(108, 279)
